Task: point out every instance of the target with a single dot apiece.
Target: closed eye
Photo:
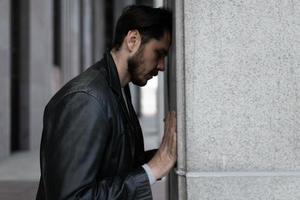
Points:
(161, 54)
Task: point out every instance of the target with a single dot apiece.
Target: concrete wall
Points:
(238, 88)
(4, 78)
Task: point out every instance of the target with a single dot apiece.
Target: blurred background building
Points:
(44, 44)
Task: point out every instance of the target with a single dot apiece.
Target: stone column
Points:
(40, 65)
(98, 10)
(86, 34)
(34, 63)
(238, 106)
(5, 78)
(161, 90)
(70, 37)
(22, 64)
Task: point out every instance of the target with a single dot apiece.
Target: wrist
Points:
(150, 174)
(155, 170)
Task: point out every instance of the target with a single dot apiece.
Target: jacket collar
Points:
(115, 85)
(113, 76)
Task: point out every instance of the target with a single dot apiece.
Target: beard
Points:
(133, 64)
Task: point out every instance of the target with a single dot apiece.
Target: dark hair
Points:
(150, 22)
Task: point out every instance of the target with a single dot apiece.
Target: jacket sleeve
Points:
(74, 138)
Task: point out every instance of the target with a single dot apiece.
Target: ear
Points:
(133, 41)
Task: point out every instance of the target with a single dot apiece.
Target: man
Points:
(92, 144)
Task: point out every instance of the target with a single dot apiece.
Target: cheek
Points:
(149, 63)
(154, 60)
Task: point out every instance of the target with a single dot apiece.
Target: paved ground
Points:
(19, 176)
(26, 190)
(18, 190)
(20, 172)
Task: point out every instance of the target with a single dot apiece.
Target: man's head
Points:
(145, 33)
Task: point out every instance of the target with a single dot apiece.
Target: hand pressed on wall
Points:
(165, 157)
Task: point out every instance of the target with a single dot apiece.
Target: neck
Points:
(120, 59)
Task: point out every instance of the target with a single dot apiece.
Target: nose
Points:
(161, 64)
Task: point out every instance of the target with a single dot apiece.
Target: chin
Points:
(140, 83)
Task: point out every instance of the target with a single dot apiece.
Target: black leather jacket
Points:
(92, 146)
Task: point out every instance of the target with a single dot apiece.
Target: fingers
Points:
(169, 142)
(173, 135)
(167, 126)
(173, 121)
(169, 118)
(166, 156)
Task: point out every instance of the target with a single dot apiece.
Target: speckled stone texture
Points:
(241, 94)
(244, 188)
(242, 85)
(4, 78)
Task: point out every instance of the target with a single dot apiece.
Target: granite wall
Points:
(238, 88)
